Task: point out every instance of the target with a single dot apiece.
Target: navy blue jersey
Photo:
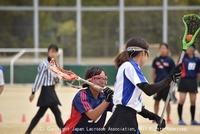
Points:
(162, 65)
(79, 122)
(190, 67)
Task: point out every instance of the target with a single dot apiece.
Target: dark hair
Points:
(125, 55)
(193, 46)
(92, 71)
(164, 44)
(53, 46)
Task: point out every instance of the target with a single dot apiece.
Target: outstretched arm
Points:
(151, 89)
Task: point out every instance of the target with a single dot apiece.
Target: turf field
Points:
(14, 104)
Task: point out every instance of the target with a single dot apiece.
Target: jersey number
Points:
(191, 66)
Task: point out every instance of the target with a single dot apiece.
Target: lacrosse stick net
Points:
(69, 75)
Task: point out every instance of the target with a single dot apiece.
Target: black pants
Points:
(41, 112)
(122, 121)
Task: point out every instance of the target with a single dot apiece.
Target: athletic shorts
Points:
(188, 85)
(122, 121)
(162, 94)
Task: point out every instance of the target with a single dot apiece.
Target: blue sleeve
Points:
(81, 103)
(198, 65)
(1, 68)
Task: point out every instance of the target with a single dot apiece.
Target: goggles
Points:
(98, 79)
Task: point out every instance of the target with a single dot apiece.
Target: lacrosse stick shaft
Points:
(90, 83)
(171, 89)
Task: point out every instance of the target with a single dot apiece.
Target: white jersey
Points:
(126, 91)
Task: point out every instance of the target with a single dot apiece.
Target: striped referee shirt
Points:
(44, 77)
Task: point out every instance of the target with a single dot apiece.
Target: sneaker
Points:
(169, 121)
(193, 122)
(181, 122)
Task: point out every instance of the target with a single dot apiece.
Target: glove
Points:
(108, 93)
(160, 125)
(175, 73)
(152, 116)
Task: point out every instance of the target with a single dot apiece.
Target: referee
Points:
(48, 97)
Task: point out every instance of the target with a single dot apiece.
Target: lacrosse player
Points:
(161, 67)
(48, 97)
(129, 85)
(90, 106)
(188, 84)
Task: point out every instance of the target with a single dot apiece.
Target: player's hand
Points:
(160, 125)
(31, 97)
(108, 93)
(175, 73)
(57, 80)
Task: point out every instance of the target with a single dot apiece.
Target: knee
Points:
(193, 103)
(181, 101)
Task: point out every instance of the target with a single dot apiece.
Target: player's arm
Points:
(38, 80)
(151, 89)
(153, 74)
(1, 89)
(94, 114)
(1, 82)
(198, 75)
(152, 116)
(198, 71)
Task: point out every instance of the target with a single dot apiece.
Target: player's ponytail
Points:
(132, 45)
(121, 58)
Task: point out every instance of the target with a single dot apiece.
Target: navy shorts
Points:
(188, 85)
(162, 94)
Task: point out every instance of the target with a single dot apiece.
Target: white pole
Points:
(36, 27)
(12, 65)
(121, 24)
(78, 31)
(165, 21)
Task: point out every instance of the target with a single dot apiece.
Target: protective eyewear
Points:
(98, 79)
